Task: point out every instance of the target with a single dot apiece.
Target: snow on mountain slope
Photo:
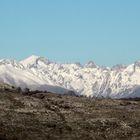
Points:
(90, 79)
(15, 74)
(35, 60)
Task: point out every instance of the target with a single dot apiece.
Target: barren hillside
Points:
(47, 116)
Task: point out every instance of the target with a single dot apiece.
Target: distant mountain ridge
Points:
(39, 73)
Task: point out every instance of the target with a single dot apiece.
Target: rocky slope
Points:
(47, 116)
(89, 79)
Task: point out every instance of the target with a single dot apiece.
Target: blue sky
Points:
(105, 31)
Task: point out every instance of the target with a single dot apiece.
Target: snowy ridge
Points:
(90, 79)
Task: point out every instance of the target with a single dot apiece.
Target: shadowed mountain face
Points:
(47, 116)
(38, 73)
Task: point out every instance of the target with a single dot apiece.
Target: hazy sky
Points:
(105, 31)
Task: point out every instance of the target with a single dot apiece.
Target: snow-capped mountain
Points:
(90, 79)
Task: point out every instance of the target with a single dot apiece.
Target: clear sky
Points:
(105, 31)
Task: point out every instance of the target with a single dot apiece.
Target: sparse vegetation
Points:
(47, 116)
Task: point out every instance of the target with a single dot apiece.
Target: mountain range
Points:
(39, 73)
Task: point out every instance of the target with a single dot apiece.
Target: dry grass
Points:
(46, 116)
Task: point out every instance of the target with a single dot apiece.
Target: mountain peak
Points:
(38, 73)
(33, 60)
(118, 67)
(137, 63)
(90, 64)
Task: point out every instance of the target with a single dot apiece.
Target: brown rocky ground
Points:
(46, 116)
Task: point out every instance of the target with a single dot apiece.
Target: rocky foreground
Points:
(47, 116)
